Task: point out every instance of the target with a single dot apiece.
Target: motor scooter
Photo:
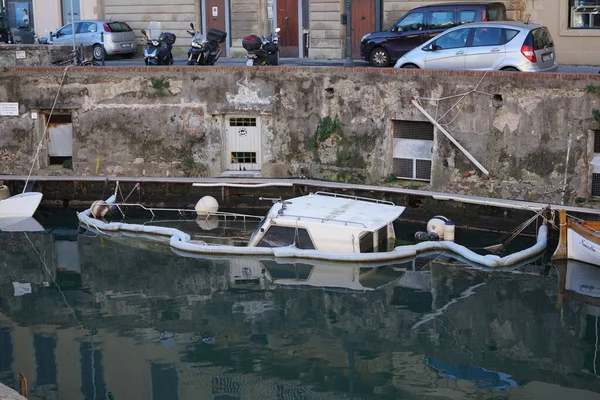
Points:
(262, 51)
(205, 51)
(159, 45)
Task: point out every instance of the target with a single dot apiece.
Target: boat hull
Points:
(21, 205)
(579, 240)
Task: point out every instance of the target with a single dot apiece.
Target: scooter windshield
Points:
(154, 30)
(198, 37)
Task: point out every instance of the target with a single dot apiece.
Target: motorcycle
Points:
(159, 45)
(205, 51)
(262, 51)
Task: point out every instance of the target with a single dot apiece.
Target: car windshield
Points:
(541, 38)
(119, 27)
(496, 12)
(154, 30)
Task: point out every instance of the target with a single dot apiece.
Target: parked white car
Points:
(487, 46)
(116, 36)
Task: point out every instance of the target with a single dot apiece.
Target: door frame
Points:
(227, 25)
(300, 19)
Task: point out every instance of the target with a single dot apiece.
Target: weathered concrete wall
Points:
(35, 54)
(537, 145)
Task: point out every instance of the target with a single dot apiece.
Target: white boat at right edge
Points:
(579, 240)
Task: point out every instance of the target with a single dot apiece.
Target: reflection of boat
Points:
(22, 205)
(579, 280)
(579, 240)
(17, 224)
(322, 226)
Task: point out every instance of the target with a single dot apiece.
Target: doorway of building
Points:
(216, 16)
(287, 20)
(363, 22)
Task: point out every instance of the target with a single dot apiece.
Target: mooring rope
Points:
(39, 146)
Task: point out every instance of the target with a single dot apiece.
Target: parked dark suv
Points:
(5, 33)
(417, 26)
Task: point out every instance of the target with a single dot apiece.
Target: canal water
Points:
(87, 316)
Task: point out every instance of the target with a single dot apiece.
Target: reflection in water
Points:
(137, 320)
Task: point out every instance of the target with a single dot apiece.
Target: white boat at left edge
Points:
(22, 205)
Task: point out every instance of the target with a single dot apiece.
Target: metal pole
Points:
(73, 25)
(348, 62)
(441, 128)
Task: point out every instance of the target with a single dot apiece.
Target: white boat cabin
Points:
(331, 223)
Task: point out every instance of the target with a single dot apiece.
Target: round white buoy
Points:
(449, 231)
(436, 224)
(99, 208)
(208, 223)
(207, 205)
(4, 192)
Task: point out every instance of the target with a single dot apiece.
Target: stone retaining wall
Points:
(536, 136)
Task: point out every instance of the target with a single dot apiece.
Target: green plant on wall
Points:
(596, 114)
(160, 84)
(325, 129)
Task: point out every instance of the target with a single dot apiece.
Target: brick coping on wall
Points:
(336, 69)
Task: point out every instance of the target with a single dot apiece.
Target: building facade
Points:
(317, 29)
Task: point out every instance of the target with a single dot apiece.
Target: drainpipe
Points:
(441, 128)
(73, 25)
(348, 62)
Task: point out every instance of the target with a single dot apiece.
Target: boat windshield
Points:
(154, 30)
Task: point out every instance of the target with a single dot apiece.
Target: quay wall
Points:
(534, 133)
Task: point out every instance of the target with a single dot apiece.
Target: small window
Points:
(584, 14)
(366, 243)
(495, 12)
(595, 184)
(466, 16)
(453, 40)
(441, 19)
(242, 122)
(509, 34)
(66, 30)
(279, 236)
(382, 237)
(86, 27)
(487, 36)
(245, 157)
(411, 22)
(597, 141)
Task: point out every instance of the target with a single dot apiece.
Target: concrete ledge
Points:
(31, 55)
(7, 393)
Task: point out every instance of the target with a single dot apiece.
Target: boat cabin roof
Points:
(322, 207)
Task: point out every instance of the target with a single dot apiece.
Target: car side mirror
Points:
(192, 26)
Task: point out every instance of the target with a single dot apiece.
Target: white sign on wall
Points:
(21, 55)
(9, 109)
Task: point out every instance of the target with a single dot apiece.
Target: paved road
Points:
(239, 61)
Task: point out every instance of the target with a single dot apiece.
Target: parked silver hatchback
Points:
(112, 37)
(487, 46)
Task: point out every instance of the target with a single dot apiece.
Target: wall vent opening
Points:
(413, 147)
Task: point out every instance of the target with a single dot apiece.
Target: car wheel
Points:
(98, 52)
(510, 69)
(409, 66)
(380, 57)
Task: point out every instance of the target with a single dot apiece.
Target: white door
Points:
(243, 144)
(60, 136)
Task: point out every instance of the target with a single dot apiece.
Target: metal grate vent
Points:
(597, 141)
(409, 168)
(595, 184)
(242, 122)
(413, 130)
(423, 169)
(403, 167)
(247, 157)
